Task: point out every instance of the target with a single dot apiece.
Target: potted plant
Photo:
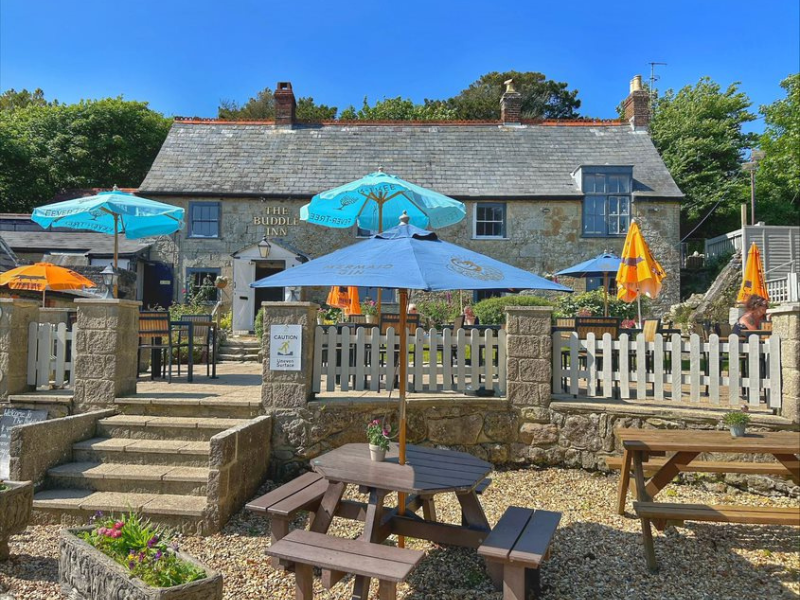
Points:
(320, 316)
(378, 437)
(16, 502)
(369, 309)
(128, 557)
(736, 420)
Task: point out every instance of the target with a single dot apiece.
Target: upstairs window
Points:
(490, 220)
(607, 201)
(204, 219)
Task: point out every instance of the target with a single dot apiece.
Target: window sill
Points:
(616, 236)
(203, 237)
(490, 238)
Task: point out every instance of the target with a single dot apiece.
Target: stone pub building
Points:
(541, 195)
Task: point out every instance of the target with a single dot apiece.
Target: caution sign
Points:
(285, 347)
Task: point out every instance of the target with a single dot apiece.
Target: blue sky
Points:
(183, 57)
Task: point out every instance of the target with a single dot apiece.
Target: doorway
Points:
(265, 269)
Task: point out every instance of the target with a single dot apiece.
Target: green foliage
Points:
(592, 302)
(259, 326)
(226, 321)
(697, 281)
(379, 435)
(143, 549)
(736, 417)
(262, 108)
(491, 311)
(195, 301)
(3, 486)
(46, 148)
(698, 132)
(438, 308)
(778, 175)
(11, 99)
(399, 109)
(368, 307)
(542, 98)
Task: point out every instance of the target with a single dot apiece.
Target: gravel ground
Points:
(595, 554)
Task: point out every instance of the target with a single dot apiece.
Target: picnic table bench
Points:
(307, 549)
(519, 543)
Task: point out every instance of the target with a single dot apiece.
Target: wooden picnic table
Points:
(427, 472)
(640, 444)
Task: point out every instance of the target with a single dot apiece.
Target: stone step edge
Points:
(121, 503)
(158, 422)
(43, 398)
(190, 474)
(213, 402)
(89, 445)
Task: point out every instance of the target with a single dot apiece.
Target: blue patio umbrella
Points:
(112, 212)
(407, 257)
(599, 266)
(376, 202)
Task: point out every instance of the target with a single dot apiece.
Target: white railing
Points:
(51, 355)
(727, 243)
(785, 289)
(677, 369)
(438, 360)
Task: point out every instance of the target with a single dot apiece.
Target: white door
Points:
(244, 273)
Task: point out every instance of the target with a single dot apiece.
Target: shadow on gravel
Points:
(30, 568)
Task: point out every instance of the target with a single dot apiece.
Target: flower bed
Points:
(130, 558)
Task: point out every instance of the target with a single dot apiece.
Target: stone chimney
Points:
(510, 104)
(285, 104)
(637, 105)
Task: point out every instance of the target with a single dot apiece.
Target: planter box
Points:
(16, 503)
(89, 574)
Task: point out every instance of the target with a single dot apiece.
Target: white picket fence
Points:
(438, 360)
(733, 367)
(49, 346)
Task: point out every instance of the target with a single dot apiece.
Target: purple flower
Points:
(152, 541)
(131, 565)
(141, 556)
(158, 555)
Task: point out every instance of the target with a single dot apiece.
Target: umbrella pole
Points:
(401, 497)
(116, 254)
(605, 294)
(380, 230)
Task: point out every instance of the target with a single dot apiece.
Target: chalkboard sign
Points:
(11, 418)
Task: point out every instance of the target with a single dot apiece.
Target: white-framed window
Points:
(200, 280)
(204, 219)
(607, 201)
(489, 220)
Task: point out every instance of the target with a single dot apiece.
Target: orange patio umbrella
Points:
(639, 273)
(753, 281)
(344, 297)
(43, 276)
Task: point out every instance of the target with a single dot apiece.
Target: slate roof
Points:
(8, 260)
(463, 160)
(96, 244)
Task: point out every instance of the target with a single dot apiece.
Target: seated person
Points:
(412, 309)
(756, 314)
(470, 318)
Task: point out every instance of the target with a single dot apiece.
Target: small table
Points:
(638, 444)
(427, 472)
(190, 325)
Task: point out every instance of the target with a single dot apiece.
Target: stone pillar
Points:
(786, 323)
(288, 389)
(105, 352)
(529, 346)
(16, 316)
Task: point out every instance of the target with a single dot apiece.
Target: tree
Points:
(94, 143)
(698, 132)
(542, 98)
(262, 108)
(778, 175)
(11, 99)
(399, 109)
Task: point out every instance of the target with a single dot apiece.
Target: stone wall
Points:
(543, 236)
(238, 464)
(16, 316)
(37, 447)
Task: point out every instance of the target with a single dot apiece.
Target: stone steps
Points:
(74, 507)
(145, 427)
(240, 350)
(225, 408)
(176, 453)
(126, 478)
(227, 356)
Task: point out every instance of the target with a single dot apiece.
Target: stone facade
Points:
(786, 323)
(85, 573)
(105, 352)
(16, 502)
(16, 316)
(543, 236)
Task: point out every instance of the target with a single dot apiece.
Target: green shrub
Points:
(260, 324)
(142, 548)
(492, 310)
(438, 310)
(570, 304)
(226, 321)
(736, 417)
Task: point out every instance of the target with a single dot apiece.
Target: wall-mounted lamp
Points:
(110, 278)
(264, 247)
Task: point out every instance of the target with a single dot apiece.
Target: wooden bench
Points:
(519, 543)
(652, 465)
(662, 512)
(284, 503)
(307, 549)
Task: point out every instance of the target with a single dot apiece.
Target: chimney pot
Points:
(285, 104)
(636, 84)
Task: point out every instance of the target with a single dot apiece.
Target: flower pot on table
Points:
(16, 502)
(737, 430)
(377, 453)
(88, 574)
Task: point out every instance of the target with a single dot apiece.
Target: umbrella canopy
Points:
(753, 282)
(599, 266)
(345, 298)
(43, 276)
(639, 273)
(376, 202)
